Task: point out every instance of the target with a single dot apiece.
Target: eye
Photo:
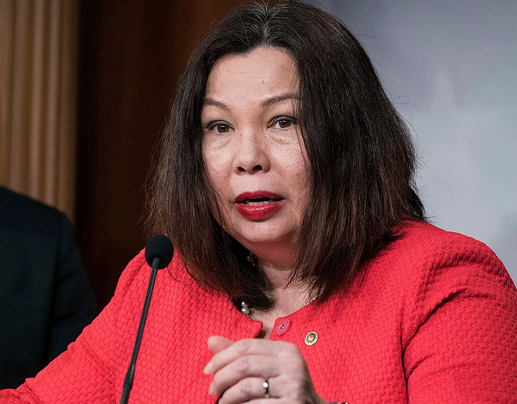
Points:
(219, 127)
(284, 122)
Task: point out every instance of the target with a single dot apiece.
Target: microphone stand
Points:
(128, 381)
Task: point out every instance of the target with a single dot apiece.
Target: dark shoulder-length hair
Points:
(360, 151)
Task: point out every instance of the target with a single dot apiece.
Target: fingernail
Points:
(208, 368)
(211, 390)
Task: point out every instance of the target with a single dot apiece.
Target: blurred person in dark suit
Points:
(45, 296)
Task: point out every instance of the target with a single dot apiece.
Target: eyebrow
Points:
(210, 101)
(266, 103)
(280, 98)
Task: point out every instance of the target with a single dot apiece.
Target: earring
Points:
(252, 259)
(245, 309)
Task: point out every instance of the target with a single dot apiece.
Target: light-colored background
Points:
(450, 68)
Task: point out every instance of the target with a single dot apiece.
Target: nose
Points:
(251, 155)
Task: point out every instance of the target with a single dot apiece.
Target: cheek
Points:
(213, 166)
(301, 185)
(217, 174)
(296, 166)
(217, 156)
(215, 178)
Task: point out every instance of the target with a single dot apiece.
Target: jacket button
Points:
(283, 327)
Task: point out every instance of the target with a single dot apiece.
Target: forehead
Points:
(265, 71)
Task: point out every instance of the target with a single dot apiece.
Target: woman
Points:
(285, 185)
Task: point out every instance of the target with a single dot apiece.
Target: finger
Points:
(217, 344)
(246, 347)
(242, 368)
(245, 390)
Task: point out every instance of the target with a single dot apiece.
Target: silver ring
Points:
(266, 388)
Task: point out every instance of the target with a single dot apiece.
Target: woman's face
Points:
(252, 147)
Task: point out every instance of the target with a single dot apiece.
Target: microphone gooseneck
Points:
(158, 254)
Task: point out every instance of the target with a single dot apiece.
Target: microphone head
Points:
(159, 246)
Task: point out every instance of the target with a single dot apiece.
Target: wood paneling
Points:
(131, 54)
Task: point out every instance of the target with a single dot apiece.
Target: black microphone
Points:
(158, 254)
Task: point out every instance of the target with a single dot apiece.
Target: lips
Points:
(258, 205)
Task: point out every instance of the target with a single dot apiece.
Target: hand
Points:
(240, 369)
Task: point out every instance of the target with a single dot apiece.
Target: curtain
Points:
(38, 91)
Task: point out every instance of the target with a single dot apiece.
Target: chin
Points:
(262, 234)
(263, 239)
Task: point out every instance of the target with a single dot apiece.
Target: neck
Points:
(278, 263)
(289, 296)
(278, 275)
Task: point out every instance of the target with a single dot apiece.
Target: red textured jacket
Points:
(433, 319)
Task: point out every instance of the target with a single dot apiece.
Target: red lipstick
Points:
(258, 205)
